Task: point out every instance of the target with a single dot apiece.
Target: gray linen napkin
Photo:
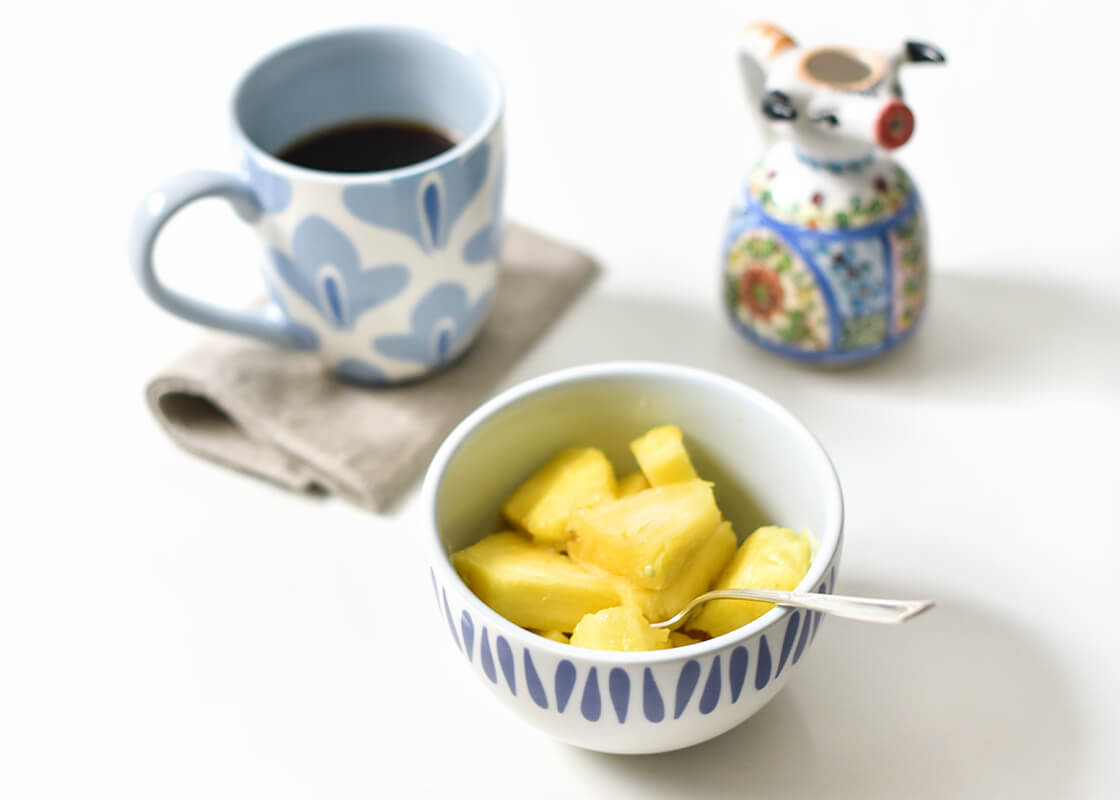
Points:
(278, 414)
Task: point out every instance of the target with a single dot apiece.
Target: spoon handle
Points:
(864, 609)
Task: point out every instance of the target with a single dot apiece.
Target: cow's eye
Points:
(826, 117)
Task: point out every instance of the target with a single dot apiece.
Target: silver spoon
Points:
(864, 609)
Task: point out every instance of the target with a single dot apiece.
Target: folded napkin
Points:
(277, 413)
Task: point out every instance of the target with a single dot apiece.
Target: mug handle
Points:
(161, 205)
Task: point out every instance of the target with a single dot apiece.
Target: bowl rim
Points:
(829, 541)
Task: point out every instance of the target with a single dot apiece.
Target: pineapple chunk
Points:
(555, 636)
(574, 478)
(533, 587)
(678, 639)
(770, 558)
(696, 578)
(648, 537)
(620, 628)
(632, 484)
(662, 456)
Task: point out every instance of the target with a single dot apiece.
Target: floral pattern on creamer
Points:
(856, 270)
(770, 290)
(869, 330)
(908, 254)
(888, 189)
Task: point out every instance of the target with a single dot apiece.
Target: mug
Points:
(387, 275)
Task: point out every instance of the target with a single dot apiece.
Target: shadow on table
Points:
(998, 337)
(959, 702)
(983, 338)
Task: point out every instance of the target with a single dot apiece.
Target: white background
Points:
(169, 629)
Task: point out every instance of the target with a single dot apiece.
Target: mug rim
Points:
(469, 142)
(830, 541)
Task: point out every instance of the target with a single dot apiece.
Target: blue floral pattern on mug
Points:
(424, 207)
(325, 270)
(361, 371)
(485, 244)
(442, 322)
(273, 192)
(299, 332)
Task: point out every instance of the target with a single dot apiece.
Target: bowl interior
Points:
(766, 467)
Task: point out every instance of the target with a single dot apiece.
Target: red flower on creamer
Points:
(760, 290)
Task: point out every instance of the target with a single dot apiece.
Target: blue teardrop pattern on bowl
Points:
(737, 672)
(486, 658)
(799, 632)
(788, 640)
(466, 625)
(533, 682)
(803, 640)
(762, 670)
(619, 684)
(451, 622)
(822, 589)
(505, 659)
(564, 682)
(709, 698)
(652, 704)
(686, 685)
(795, 639)
(435, 591)
(591, 706)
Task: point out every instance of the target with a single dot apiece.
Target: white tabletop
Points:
(169, 629)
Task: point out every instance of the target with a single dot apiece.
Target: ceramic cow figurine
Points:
(825, 254)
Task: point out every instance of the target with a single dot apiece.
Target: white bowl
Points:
(767, 468)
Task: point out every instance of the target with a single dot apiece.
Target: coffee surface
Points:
(368, 145)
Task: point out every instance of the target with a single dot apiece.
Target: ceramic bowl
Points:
(766, 468)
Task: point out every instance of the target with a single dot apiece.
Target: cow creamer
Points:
(824, 255)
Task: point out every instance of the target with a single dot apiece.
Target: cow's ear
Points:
(918, 52)
(777, 105)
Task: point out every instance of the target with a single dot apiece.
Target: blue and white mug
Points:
(387, 275)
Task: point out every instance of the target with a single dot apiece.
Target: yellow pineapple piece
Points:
(619, 628)
(770, 558)
(678, 639)
(662, 457)
(555, 636)
(574, 478)
(533, 587)
(632, 484)
(696, 578)
(648, 537)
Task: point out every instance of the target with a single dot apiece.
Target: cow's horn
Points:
(765, 41)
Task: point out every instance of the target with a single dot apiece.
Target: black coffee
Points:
(366, 145)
